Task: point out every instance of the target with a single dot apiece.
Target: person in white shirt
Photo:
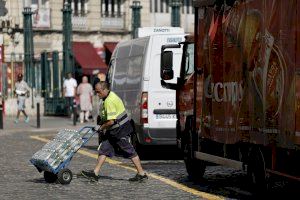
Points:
(22, 91)
(69, 93)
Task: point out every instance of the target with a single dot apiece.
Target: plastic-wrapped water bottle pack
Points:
(64, 144)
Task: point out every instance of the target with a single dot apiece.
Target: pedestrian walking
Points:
(69, 93)
(22, 91)
(117, 128)
(85, 92)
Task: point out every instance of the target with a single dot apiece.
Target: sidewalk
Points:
(48, 123)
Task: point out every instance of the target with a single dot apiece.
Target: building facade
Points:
(98, 22)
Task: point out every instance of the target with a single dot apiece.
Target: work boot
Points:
(139, 178)
(90, 175)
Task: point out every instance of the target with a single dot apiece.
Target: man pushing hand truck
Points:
(115, 129)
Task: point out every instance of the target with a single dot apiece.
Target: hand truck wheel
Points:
(65, 176)
(50, 177)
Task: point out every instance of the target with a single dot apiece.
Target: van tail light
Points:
(144, 108)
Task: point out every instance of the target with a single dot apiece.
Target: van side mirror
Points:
(166, 65)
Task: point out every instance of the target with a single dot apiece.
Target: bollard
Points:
(38, 117)
(74, 112)
(1, 115)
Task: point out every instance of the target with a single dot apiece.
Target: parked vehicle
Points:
(239, 104)
(134, 75)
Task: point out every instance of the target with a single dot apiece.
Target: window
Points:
(189, 60)
(162, 6)
(39, 3)
(111, 71)
(79, 7)
(111, 8)
(187, 7)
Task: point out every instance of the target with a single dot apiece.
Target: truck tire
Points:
(256, 171)
(194, 167)
(50, 177)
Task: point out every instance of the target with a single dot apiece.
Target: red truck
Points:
(238, 94)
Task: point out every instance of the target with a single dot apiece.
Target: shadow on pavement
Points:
(151, 152)
(160, 153)
(79, 176)
(37, 180)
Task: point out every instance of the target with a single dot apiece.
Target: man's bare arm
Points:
(107, 124)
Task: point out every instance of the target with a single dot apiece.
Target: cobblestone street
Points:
(167, 174)
(20, 180)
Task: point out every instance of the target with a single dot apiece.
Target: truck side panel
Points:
(297, 104)
(249, 59)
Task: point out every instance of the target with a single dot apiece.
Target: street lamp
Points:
(175, 16)
(28, 49)
(136, 17)
(68, 65)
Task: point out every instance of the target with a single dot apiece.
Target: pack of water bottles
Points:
(58, 150)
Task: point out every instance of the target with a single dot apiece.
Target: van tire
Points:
(194, 167)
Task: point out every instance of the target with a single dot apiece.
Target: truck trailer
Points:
(238, 93)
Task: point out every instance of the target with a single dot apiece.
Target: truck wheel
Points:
(65, 176)
(50, 177)
(194, 167)
(256, 171)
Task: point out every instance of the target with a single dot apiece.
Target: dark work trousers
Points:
(69, 105)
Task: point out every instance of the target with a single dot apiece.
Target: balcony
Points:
(79, 23)
(112, 22)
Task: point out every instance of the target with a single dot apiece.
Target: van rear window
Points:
(138, 47)
(123, 51)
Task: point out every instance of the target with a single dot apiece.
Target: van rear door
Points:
(162, 101)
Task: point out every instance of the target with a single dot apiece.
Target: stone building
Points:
(99, 23)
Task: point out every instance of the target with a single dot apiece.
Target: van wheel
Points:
(194, 167)
(256, 171)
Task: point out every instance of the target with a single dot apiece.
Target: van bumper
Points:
(148, 136)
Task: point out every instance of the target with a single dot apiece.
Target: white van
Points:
(134, 74)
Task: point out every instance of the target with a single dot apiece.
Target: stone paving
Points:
(20, 180)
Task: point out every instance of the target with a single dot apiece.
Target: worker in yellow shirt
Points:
(117, 127)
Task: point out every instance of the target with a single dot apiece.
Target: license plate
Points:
(166, 116)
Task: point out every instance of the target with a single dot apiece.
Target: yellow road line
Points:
(152, 175)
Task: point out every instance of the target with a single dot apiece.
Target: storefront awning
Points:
(86, 56)
(110, 46)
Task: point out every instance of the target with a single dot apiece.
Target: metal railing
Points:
(112, 21)
(79, 23)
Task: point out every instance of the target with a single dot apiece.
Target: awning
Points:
(110, 46)
(109, 49)
(86, 56)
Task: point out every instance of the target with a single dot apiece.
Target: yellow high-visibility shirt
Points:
(112, 107)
